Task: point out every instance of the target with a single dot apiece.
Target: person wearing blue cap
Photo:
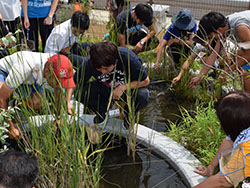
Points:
(183, 27)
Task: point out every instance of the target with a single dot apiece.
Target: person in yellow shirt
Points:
(233, 156)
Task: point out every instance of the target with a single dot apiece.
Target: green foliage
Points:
(5, 116)
(65, 157)
(201, 134)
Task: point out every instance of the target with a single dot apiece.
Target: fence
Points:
(198, 7)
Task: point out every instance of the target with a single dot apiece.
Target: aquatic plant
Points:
(199, 131)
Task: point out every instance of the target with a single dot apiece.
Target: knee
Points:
(143, 97)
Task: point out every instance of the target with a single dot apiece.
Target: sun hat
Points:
(184, 20)
(62, 67)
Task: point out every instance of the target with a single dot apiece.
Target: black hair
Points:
(17, 169)
(80, 20)
(211, 22)
(233, 111)
(103, 54)
(144, 12)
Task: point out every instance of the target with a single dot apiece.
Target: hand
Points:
(157, 66)
(70, 108)
(47, 21)
(223, 78)
(176, 79)
(14, 132)
(26, 23)
(11, 44)
(195, 81)
(106, 7)
(117, 93)
(138, 48)
(209, 171)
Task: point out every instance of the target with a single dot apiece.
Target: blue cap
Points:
(183, 20)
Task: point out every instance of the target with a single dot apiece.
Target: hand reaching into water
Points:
(209, 171)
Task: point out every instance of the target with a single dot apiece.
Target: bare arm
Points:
(139, 47)
(6, 92)
(225, 145)
(25, 13)
(122, 40)
(184, 67)
(48, 20)
(69, 95)
(244, 35)
(214, 182)
(117, 93)
(152, 32)
(210, 61)
(162, 45)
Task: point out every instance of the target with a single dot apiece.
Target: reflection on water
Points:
(161, 109)
(119, 170)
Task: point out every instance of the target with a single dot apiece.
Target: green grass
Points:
(200, 133)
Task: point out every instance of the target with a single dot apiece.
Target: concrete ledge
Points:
(180, 158)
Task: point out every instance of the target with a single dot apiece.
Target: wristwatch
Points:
(142, 42)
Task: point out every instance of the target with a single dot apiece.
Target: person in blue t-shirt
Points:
(113, 68)
(129, 24)
(37, 17)
(183, 27)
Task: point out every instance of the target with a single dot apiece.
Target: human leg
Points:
(33, 31)
(140, 99)
(45, 31)
(95, 96)
(13, 25)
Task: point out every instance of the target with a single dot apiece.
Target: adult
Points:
(17, 169)
(37, 17)
(65, 36)
(116, 70)
(183, 27)
(25, 73)
(235, 26)
(11, 11)
(128, 25)
(233, 111)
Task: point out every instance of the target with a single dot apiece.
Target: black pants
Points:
(13, 25)
(3, 52)
(95, 96)
(78, 53)
(36, 27)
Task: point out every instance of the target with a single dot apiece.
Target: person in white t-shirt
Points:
(11, 11)
(64, 38)
(25, 74)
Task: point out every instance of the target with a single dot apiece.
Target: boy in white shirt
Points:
(64, 38)
(24, 73)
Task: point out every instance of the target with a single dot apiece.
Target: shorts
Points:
(246, 67)
(24, 90)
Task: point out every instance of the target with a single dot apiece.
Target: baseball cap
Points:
(62, 67)
(184, 20)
